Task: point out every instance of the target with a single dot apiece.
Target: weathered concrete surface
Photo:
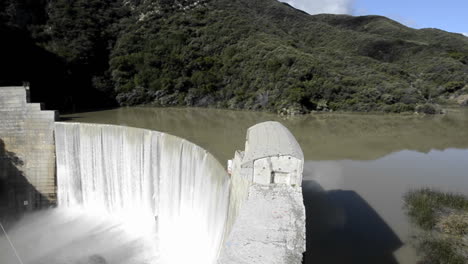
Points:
(27, 152)
(266, 212)
(270, 139)
(270, 228)
(273, 153)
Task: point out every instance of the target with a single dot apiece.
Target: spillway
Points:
(131, 196)
(146, 178)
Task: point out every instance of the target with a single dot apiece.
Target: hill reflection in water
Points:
(321, 136)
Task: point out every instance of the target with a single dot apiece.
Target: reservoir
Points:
(358, 167)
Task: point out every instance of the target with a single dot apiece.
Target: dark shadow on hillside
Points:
(343, 228)
(17, 195)
(49, 76)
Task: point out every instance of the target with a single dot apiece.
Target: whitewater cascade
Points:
(147, 178)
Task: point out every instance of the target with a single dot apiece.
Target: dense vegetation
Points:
(443, 217)
(261, 55)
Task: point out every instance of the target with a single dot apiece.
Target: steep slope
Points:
(261, 55)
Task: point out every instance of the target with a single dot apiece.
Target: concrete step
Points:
(12, 88)
(34, 107)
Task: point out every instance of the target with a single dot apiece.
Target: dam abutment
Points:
(27, 155)
(266, 205)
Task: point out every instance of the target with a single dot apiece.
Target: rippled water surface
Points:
(357, 168)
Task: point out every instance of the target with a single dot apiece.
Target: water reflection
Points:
(381, 184)
(322, 136)
(343, 228)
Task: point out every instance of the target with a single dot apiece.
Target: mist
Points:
(61, 236)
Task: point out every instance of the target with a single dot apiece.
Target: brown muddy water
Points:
(358, 167)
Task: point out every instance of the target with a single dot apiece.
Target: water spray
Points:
(11, 244)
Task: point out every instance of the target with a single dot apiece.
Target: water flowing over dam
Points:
(147, 178)
(136, 196)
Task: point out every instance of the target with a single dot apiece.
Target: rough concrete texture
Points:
(270, 228)
(278, 170)
(27, 152)
(266, 222)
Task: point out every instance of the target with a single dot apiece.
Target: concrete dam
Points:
(200, 213)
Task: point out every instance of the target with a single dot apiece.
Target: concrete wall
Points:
(278, 170)
(269, 228)
(266, 212)
(27, 151)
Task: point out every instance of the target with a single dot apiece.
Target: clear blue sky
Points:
(449, 15)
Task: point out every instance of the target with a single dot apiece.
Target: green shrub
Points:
(243, 54)
(439, 251)
(422, 205)
(429, 109)
(398, 108)
(453, 86)
(443, 217)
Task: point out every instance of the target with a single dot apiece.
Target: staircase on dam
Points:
(27, 152)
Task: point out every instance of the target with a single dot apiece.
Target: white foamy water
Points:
(146, 179)
(70, 236)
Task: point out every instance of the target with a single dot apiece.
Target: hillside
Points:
(240, 54)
